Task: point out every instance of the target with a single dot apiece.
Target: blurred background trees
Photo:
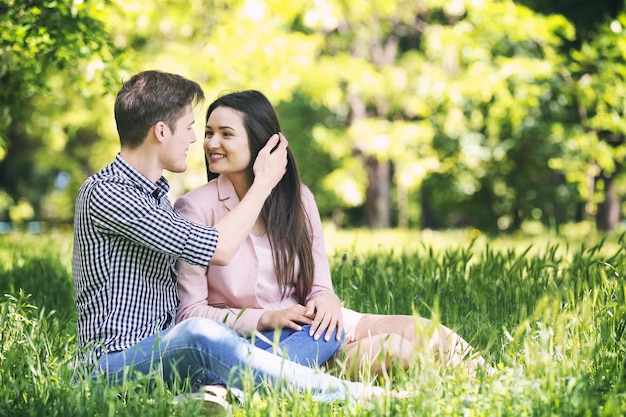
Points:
(410, 113)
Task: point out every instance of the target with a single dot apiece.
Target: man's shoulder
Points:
(108, 175)
(111, 172)
(107, 182)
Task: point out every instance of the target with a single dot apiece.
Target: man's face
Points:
(177, 142)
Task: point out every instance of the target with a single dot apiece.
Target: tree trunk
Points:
(428, 214)
(403, 205)
(607, 218)
(377, 204)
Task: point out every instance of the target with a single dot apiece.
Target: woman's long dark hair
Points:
(286, 222)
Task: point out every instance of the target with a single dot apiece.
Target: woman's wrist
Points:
(263, 324)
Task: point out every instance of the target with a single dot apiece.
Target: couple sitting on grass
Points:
(245, 254)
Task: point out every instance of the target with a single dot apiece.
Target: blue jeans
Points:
(298, 346)
(199, 346)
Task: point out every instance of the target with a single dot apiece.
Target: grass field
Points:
(548, 311)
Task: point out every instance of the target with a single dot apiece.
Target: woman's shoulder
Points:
(307, 196)
(305, 191)
(205, 191)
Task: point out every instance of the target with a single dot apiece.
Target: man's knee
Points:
(332, 341)
(201, 329)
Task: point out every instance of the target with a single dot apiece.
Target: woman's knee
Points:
(378, 353)
(396, 347)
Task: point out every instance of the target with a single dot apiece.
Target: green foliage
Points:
(596, 64)
(586, 16)
(35, 351)
(549, 315)
(39, 268)
(489, 114)
(40, 42)
(297, 120)
(30, 50)
(494, 119)
(560, 316)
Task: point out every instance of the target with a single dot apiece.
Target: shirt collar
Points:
(157, 190)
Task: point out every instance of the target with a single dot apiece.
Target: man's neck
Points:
(143, 162)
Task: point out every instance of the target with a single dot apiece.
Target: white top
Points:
(267, 284)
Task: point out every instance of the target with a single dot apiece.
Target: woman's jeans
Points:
(298, 346)
(200, 346)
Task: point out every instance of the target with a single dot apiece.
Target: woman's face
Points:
(226, 142)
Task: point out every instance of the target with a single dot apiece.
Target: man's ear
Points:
(160, 130)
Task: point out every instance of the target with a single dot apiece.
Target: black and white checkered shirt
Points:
(127, 239)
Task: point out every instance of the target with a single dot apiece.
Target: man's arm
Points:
(269, 169)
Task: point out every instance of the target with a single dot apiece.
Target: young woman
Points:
(279, 279)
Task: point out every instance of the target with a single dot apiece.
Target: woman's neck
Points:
(241, 184)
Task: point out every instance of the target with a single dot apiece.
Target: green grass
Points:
(548, 311)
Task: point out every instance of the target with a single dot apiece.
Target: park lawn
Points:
(548, 311)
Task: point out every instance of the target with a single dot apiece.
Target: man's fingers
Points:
(276, 142)
(283, 141)
(271, 143)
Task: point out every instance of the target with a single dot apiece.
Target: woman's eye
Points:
(208, 134)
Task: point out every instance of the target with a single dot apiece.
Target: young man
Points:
(127, 239)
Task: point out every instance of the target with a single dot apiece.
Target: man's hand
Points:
(270, 166)
(292, 317)
(325, 310)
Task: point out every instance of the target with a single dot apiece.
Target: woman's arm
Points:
(193, 284)
(193, 293)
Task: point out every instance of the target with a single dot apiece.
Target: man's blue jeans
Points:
(198, 346)
(298, 346)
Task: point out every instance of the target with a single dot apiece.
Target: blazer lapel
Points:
(226, 192)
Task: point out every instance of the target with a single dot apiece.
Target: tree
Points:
(496, 116)
(594, 161)
(365, 75)
(441, 89)
(39, 39)
(415, 112)
(596, 60)
(495, 81)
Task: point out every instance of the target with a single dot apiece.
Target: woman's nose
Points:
(212, 142)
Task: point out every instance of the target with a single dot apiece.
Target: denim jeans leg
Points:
(298, 346)
(198, 345)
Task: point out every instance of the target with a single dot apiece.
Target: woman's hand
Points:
(292, 317)
(325, 310)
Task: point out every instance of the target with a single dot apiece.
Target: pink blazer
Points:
(228, 293)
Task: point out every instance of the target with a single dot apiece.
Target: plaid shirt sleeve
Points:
(118, 209)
